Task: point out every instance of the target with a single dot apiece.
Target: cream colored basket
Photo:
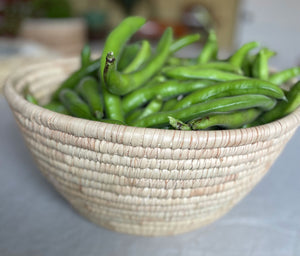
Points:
(138, 180)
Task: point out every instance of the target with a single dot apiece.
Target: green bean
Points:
(283, 108)
(170, 88)
(169, 104)
(118, 37)
(121, 84)
(199, 110)
(175, 61)
(238, 57)
(75, 105)
(128, 54)
(183, 42)
(141, 57)
(185, 72)
(284, 75)
(232, 120)
(247, 65)
(135, 114)
(260, 67)
(178, 125)
(56, 106)
(112, 106)
(153, 107)
(210, 49)
(29, 97)
(219, 65)
(88, 90)
(75, 77)
(85, 56)
(232, 88)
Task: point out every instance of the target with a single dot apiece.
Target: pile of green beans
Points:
(136, 85)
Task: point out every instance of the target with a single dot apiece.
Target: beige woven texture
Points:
(137, 180)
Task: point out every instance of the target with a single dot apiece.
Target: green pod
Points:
(210, 49)
(88, 90)
(232, 120)
(260, 68)
(220, 105)
(283, 108)
(218, 65)
(120, 84)
(238, 57)
(169, 104)
(285, 75)
(183, 42)
(112, 106)
(178, 125)
(167, 89)
(85, 56)
(185, 72)
(56, 106)
(135, 114)
(128, 54)
(154, 106)
(117, 39)
(232, 88)
(175, 61)
(29, 97)
(141, 57)
(75, 77)
(75, 105)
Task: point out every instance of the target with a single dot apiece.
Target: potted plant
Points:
(51, 22)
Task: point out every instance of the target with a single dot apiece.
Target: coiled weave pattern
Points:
(138, 180)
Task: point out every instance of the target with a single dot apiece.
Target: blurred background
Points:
(35, 30)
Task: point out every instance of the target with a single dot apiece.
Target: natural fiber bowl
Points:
(138, 180)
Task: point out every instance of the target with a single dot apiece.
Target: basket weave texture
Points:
(138, 180)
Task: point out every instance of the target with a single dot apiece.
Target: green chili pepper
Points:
(238, 57)
(117, 39)
(166, 90)
(284, 75)
(56, 106)
(75, 105)
(210, 49)
(74, 78)
(232, 120)
(88, 90)
(121, 84)
(185, 72)
(283, 108)
(178, 125)
(85, 56)
(232, 88)
(199, 110)
(183, 42)
(141, 57)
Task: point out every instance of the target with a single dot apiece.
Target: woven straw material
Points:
(138, 180)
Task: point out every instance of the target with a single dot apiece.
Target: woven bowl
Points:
(138, 180)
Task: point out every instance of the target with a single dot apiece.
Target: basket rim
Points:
(97, 129)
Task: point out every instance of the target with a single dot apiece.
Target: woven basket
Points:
(138, 180)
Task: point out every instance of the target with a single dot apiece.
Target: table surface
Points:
(35, 220)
